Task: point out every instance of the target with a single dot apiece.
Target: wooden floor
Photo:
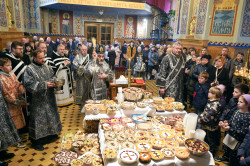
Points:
(71, 119)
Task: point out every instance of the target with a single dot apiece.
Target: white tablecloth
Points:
(205, 160)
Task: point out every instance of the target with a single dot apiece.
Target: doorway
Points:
(102, 32)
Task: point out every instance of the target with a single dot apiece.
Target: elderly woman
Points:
(221, 74)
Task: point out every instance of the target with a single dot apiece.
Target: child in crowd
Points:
(244, 150)
(229, 110)
(201, 89)
(209, 119)
(237, 127)
(12, 93)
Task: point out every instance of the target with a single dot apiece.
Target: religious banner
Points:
(130, 26)
(224, 15)
(66, 22)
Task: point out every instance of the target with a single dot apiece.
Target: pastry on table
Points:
(140, 118)
(127, 105)
(158, 100)
(148, 101)
(144, 126)
(168, 152)
(159, 118)
(156, 155)
(172, 144)
(148, 94)
(147, 139)
(141, 105)
(90, 102)
(88, 142)
(128, 156)
(126, 120)
(169, 99)
(153, 134)
(127, 144)
(132, 138)
(113, 144)
(180, 139)
(89, 106)
(131, 125)
(96, 143)
(102, 121)
(65, 157)
(106, 127)
(182, 153)
(142, 134)
(159, 126)
(78, 144)
(160, 108)
(130, 132)
(92, 136)
(171, 121)
(111, 111)
(113, 120)
(109, 135)
(66, 145)
(85, 149)
(118, 127)
(110, 153)
(97, 162)
(76, 162)
(179, 126)
(88, 158)
(96, 150)
(103, 110)
(145, 157)
(121, 137)
(166, 134)
(142, 146)
(169, 107)
(158, 143)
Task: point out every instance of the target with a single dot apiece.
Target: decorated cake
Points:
(128, 156)
(182, 153)
(180, 139)
(144, 126)
(141, 105)
(156, 155)
(145, 157)
(127, 105)
(126, 120)
(76, 162)
(127, 144)
(113, 120)
(113, 144)
(110, 153)
(65, 157)
(158, 143)
(133, 94)
(172, 144)
(166, 134)
(143, 146)
(97, 162)
(118, 127)
(130, 131)
(140, 118)
(109, 135)
(169, 99)
(168, 152)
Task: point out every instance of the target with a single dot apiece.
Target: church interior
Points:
(197, 24)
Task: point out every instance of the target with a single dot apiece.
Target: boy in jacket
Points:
(209, 119)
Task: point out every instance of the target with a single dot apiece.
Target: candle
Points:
(191, 133)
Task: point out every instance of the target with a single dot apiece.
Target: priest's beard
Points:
(99, 62)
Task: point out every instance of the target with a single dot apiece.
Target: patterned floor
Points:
(71, 119)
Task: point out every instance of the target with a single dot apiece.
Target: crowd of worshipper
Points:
(30, 70)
